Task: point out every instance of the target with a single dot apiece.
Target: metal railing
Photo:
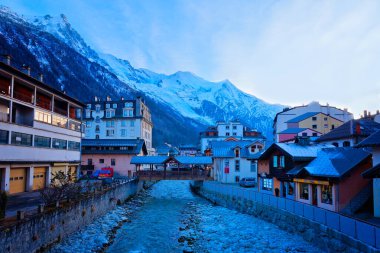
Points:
(361, 230)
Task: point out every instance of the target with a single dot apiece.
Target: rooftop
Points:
(372, 140)
(302, 117)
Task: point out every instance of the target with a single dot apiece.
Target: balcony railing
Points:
(74, 125)
(28, 98)
(4, 117)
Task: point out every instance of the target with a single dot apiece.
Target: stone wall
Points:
(322, 236)
(35, 233)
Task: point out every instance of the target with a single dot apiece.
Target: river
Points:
(170, 218)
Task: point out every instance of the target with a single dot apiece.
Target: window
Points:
(101, 160)
(332, 127)
(304, 191)
(74, 125)
(59, 144)
(275, 161)
(73, 145)
(314, 118)
(43, 117)
(282, 161)
(129, 104)
(43, 142)
(123, 123)
(88, 113)
(304, 134)
(88, 124)
(114, 106)
(88, 106)
(97, 136)
(237, 179)
(326, 194)
(110, 132)
(4, 137)
(59, 121)
(227, 134)
(234, 134)
(21, 139)
(267, 184)
(253, 166)
(314, 126)
(108, 106)
(97, 108)
(237, 152)
(128, 112)
(315, 134)
(132, 123)
(97, 119)
(122, 132)
(346, 144)
(110, 123)
(326, 126)
(290, 188)
(237, 165)
(234, 127)
(110, 113)
(325, 118)
(89, 161)
(227, 127)
(113, 162)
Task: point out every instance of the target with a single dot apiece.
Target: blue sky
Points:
(288, 52)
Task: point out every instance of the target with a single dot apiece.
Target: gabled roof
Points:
(195, 160)
(373, 172)
(372, 140)
(360, 127)
(297, 151)
(226, 149)
(134, 146)
(165, 149)
(293, 130)
(302, 117)
(333, 162)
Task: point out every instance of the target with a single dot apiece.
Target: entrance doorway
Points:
(314, 193)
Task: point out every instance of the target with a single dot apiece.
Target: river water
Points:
(170, 218)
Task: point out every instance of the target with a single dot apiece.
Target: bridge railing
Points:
(173, 175)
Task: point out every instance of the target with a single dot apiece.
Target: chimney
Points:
(27, 68)
(365, 113)
(377, 112)
(109, 98)
(41, 77)
(96, 99)
(122, 98)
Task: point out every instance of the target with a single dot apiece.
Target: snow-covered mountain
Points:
(181, 99)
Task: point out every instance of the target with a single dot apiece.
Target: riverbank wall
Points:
(34, 234)
(327, 230)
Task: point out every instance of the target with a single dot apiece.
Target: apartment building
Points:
(122, 119)
(321, 119)
(40, 131)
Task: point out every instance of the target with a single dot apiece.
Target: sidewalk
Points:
(26, 201)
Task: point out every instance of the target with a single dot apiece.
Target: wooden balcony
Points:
(43, 101)
(5, 86)
(149, 175)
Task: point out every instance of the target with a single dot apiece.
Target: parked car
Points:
(247, 182)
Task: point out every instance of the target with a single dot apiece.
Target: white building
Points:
(123, 119)
(234, 160)
(40, 131)
(227, 130)
(280, 122)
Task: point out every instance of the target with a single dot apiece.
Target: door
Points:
(314, 188)
(39, 178)
(17, 180)
(72, 173)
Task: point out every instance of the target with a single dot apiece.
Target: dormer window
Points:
(108, 106)
(97, 108)
(88, 106)
(114, 106)
(237, 152)
(129, 104)
(110, 113)
(128, 112)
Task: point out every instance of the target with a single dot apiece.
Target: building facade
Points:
(116, 153)
(281, 120)
(40, 131)
(234, 159)
(122, 119)
(227, 130)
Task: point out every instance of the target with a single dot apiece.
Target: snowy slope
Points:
(182, 98)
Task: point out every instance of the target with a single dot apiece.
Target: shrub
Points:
(3, 203)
